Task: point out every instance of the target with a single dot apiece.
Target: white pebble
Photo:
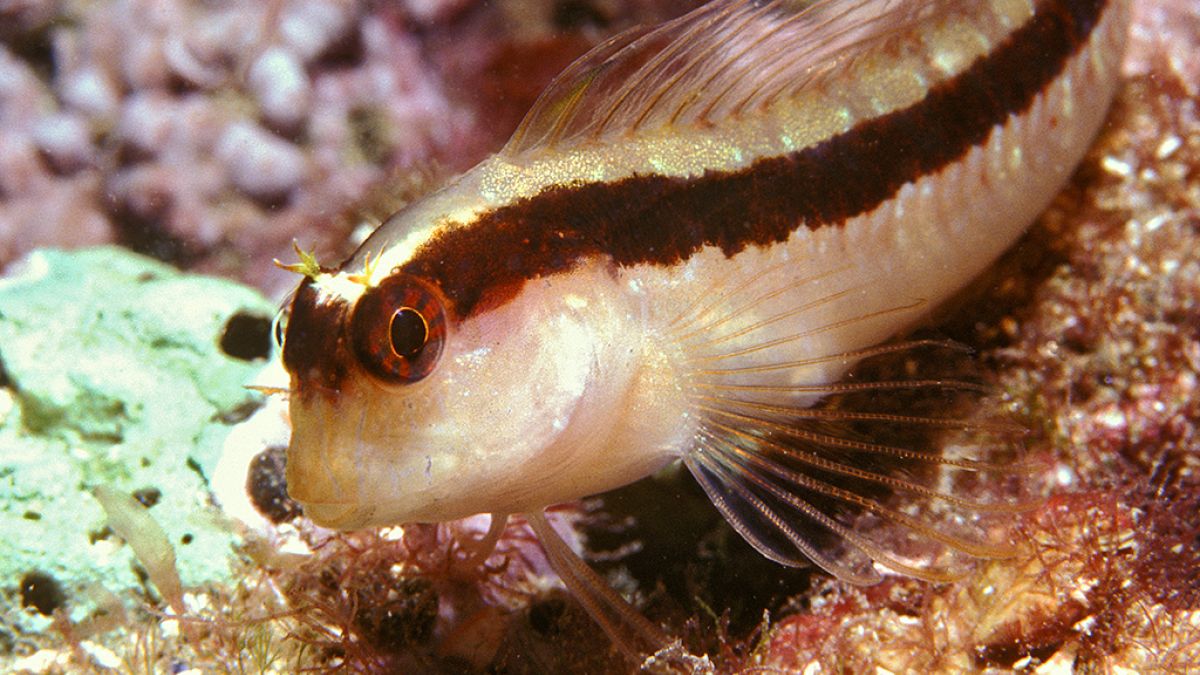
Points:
(311, 26)
(102, 656)
(22, 95)
(186, 64)
(144, 65)
(42, 661)
(146, 121)
(65, 138)
(259, 163)
(20, 169)
(92, 92)
(279, 83)
(433, 11)
(1168, 146)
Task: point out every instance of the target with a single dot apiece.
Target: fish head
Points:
(403, 412)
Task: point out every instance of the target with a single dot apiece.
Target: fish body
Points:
(694, 234)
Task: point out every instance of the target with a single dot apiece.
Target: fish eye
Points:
(409, 331)
(397, 329)
(279, 326)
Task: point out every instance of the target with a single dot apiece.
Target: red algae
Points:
(403, 600)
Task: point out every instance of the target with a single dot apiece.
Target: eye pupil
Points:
(408, 332)
(397, 330)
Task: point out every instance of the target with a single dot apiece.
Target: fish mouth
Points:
(321, 475)
(342, 478)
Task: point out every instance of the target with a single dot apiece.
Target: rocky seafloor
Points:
(209, 135)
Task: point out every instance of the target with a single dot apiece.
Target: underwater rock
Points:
(119, 371)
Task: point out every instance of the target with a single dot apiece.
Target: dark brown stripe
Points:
(662, 220)
(314, 347)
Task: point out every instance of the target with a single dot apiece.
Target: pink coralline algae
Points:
(208, 134)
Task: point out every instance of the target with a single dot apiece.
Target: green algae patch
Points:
(115, 370)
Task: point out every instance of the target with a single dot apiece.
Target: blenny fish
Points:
(695, 233)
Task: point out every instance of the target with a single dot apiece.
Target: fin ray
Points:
(728, 493)
(850, 486)
(717, 62)
(842, 387)
(635, 635)
(801, 335)
(852, 356)
(830, 466)
(781, 493)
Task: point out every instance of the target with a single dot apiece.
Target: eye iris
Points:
(397, 330)
(408, 332)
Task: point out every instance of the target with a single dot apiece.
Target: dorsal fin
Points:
(721, 60)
